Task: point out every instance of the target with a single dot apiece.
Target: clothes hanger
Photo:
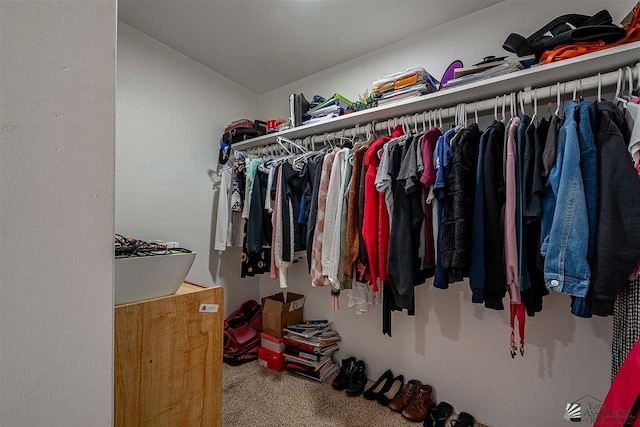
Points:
(504, 105)
(535, 106)
(373, 129)
(475, 111)
(619, 84)
(511, 105)
(282, 139)
(521, 98)
(557, 112)
(495, 109)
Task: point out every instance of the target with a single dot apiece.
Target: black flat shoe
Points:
(380, 386)
(358, 379)
(394, 388)
(341, 382)
(438, 415)
(464, 420)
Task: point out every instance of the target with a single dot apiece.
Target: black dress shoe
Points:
(358, 379)
(341, 382)
(394, 388)
(379, 387)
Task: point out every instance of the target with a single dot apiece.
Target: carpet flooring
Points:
(255, 396)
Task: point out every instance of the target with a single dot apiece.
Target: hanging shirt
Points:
(523, 273)
(428, 178)
(510, 234)
(353, 238)
(458, 204)
(404, 260)
(532, 189)
(223, 224)
(494, 199)
(335, 197)
(334, 202)
(443, 164)
(313, 210)
(252, 168)
(383, 178)
(317, 278)
(477, 264)
(371, 209)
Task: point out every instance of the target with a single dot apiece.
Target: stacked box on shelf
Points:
(309, 349)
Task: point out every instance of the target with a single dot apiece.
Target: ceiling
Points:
(266, 44)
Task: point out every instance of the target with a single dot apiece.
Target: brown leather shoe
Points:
(423, 400)
(402, 400)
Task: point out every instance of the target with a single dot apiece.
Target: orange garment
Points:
(576, 49)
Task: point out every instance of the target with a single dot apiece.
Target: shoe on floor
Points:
(402, 400)
(379, 387)
(438, 415)
(357, 379)
(423, 400)
(393, 391)
(464, 420)
(341, 382)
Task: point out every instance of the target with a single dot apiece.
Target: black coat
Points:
(494, 199)
(618, 236)
(457, 213)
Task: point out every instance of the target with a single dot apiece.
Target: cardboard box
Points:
(278, 312)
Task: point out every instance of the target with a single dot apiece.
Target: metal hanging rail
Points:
(498, 105)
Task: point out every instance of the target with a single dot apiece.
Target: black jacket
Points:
(494, 199)
(618, 237)
(457, 213)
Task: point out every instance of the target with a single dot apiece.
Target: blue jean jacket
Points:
(566, 232)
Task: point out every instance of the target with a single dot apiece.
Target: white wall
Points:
(461, 348)
(57, 121)
(171, 112)
(469, 39)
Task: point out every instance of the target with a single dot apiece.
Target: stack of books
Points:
(309, 349)
(335, 106)
(402, 85)
(488, 68)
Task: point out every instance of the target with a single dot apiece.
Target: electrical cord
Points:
(127, 247)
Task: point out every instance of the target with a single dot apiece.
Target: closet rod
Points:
(577, 86)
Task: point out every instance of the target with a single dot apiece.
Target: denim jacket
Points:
(566, 231)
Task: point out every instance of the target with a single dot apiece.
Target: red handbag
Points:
(242, 334)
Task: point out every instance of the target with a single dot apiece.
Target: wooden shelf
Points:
(569, 69)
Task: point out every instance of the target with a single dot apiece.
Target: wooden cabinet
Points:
(168, 360)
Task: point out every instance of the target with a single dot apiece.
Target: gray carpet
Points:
(256, 396)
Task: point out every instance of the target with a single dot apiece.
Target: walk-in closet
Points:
(324, 213)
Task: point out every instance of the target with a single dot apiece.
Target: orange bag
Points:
(576, 49)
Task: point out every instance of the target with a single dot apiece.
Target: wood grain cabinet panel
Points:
(168, 360)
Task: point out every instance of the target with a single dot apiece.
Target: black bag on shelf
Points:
(564, 30)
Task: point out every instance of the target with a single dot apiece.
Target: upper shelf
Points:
(569, 69)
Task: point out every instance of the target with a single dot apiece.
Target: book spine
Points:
(302, 354)
(300, 346)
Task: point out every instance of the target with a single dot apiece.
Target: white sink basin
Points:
(142, 278)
